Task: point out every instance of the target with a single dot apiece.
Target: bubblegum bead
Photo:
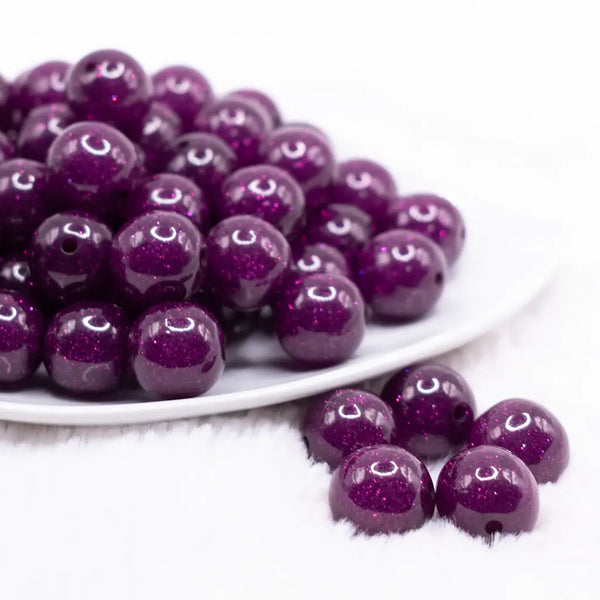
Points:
(44, 84)
(169, 192)
(305, 154)
(320, 258)
(69, 257)
(265, 192)
(262, 100)
(41, 127)
(176, 350)
(247, 260)
(320, 319)
(85, 348)
(366, 185)
(7, 150)
(23, 199)
(434, 409)
(184, 90)
(157, 257)
(241, 124)
(15, 273)
(343, 421)
(382, 489)
(91, 167)
(109, 86)
(401, 274)
(530, 432)
(21, 334)
(488, 490)
(432, 216)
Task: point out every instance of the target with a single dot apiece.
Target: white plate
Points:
(507, 260)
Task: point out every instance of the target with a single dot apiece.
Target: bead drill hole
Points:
(69, 246)
(492, 527)
(439, 279)
(459, 413)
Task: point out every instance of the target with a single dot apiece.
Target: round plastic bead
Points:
(69, 257)
(305, 154)
(401, 274)
(266, 192)
(247, 260)
(345, 420)
(176, 350)
(44, 84)
(382, 489)
(242, 124)
(184, 90)
(109, 86)
(157, 257)
(262, 100)
(15, 273)
(488, 490)
(434, 217)
(434, 409)
(529, 431)
(85, 348)
(320, 319)
(320, 258)
(91, 167)
(7, 150)
(21, 334)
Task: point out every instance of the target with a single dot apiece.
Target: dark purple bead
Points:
(320, 319)
(247, 260)
(69, 257)
(432, 216)
(157, 257)
(15, 273)
(366, 185)
(401, 274)
(5, 96)
(21, 334)
(170, 192)
(241, 124)
(176, 350)
(342, 226)
(85, 349)
(488, 490)
(342, 421)
(184, 90)
(382, 489)
(23, 199)
(306, 155)
(529, 431)
(320, 258)
(266, 192)
(7, 150)
(41, 127)
(434, 409)
(109, 86)
(262, 100)
(91, 167)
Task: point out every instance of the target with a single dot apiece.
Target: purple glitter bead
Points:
(382, 489)
(184, 90)
(7, 150)
(23, 199)
(243, 125)
(21, 334)
(15, 273)
(109, 86)
(320, 258)
(366, 185)
(170, 192)
(529, 431)
(320, 319)
(343, 421)
(69, 257)
(262, 100)
(247, 260)
(488, 490)
(434, 409)
(432, 216)
(91, 168)
(266, 192)
(401, 274)
(85, 349)
(157, 257)
(176, 350)
(41, 127)
(306, 155)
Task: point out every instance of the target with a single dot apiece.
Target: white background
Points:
(484, 102)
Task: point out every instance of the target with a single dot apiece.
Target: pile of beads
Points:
(141, 218)
(376, 446)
